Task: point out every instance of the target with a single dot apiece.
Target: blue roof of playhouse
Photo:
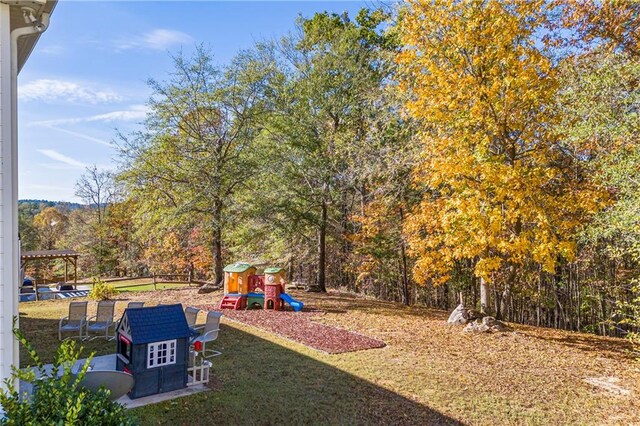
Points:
(157, 323)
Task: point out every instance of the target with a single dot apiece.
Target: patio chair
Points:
(130, 305)
(75, 322)
(191, 314)
(210, 333)
(103, 321)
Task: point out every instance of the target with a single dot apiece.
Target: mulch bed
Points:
(300, 327)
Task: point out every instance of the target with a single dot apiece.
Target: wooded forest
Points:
(441, 149)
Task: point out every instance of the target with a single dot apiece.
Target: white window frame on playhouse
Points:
(162, 353)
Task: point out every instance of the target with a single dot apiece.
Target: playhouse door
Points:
(233, 283)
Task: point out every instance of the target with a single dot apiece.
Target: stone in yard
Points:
(489, 321)
(476, 327)
(486, 325)
(500, 327)
(458, 316)
(494, 324)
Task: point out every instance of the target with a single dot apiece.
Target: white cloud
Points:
(61, 158)
(80, 135)
(158, 39)
(47, 90)
(133, 113)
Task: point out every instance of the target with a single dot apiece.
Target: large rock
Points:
(476, 327)
(486, 325)
(458, 316)
(495, 325)
(489, 321)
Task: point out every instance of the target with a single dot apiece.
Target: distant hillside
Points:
(36, 206)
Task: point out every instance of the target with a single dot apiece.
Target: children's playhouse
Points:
(153, 346)
(243, 289)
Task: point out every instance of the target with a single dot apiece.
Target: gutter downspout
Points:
(10, 173)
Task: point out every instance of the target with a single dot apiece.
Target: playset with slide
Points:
(243, 289)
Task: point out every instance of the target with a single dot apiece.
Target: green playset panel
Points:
(253, 300)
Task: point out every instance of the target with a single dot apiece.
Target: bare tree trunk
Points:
(405, 275)
(485, 296)
(322, 249)
(507, 304)
(216, 251)
(539, 300)
(346, 280)
(474, 291)
(290, 269)
(217, 259)
(217, 243)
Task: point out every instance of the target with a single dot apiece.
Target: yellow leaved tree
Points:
(499, 188)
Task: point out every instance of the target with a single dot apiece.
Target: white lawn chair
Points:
(130, 305)
(75, 322)
(103, 321)
(191, 314)
(210, 333)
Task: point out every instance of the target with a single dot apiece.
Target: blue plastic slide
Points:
(295, 304)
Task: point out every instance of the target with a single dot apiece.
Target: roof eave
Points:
(26, 44)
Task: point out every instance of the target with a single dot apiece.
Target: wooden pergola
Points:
(69, 256)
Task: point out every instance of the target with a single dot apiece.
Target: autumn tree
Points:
(330, 74)
(498, 188)
(587, 25)
(385, 196)
(125, 249)
(28, 232)
(167, 254)
(185, 167)
(97, 189)
(51, 225)
(599, 102)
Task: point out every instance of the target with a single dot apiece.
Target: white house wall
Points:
(8, 203)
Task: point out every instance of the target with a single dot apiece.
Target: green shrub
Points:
(102, 290)
(58, 399)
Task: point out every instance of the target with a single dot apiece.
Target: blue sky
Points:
(87, 75)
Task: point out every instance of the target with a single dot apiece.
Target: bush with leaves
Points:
(101, 290)
(58, 398)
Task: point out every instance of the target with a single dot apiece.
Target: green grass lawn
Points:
(150, 287)
(145, 284)
(429, 373)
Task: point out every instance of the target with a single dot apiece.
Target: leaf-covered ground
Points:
(428, 372)
(302, 327)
